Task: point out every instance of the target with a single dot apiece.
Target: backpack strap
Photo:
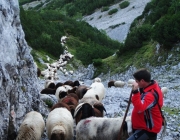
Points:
(156, 96)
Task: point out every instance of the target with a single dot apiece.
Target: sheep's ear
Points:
(77, 109)
(104, 109)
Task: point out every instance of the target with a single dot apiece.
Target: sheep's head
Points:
(83, 111)
(110, 84)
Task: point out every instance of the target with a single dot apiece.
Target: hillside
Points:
(117, 25)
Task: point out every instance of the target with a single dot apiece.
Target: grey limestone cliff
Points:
(18, 78)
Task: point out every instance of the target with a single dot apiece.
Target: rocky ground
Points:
(115, 100)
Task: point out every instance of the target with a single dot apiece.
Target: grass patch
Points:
(104, 9)
(112, 11)
(124, 4)
(171, 111)
(117, 25)
(39, 56)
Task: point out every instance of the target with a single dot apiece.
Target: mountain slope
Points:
(122, 19)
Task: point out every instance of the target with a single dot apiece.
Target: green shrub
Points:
(112, 11)
(97, 62)
(166, 30)
(104, 9)
(49, 103)
(124, 4)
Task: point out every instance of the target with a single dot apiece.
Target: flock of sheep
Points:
(78, 105)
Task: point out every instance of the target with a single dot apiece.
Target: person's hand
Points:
(135, 86)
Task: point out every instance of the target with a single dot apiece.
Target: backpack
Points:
(156, 96)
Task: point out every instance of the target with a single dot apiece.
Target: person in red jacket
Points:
(146, 115)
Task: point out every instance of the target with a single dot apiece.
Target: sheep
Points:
(63, 39)
(48, 91)
(84, 110)
(61, 92)
(58, 85)
(50, 84)
(59, 124)
(98, 128)
(72, 101)
(38, 72)
(130, 82)
(97, 79)
(32, 127)
(81, 90)
(116, 84)
(164, 91)
(60, 104)
(77, 83)
(71, 72)
(97, 90)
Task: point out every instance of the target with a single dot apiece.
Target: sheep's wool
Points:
(32, 127)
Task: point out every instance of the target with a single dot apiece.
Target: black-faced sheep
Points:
(97, 90)
(59, 124)
(97, 128)
(32, 127)
(58, 85)
(61, 92)
(116, 84)
(85, 110)
(48, 91)
(50, 84)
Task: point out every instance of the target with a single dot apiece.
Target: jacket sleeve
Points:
(142, 105)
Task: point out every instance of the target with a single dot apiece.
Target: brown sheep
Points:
(60, 104)
(81, 90)
(110, 83)
(70, 83)
(72, 101)
(38, 72)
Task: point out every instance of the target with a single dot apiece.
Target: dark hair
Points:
(142, 74)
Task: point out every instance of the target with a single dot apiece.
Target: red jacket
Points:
(144, 116)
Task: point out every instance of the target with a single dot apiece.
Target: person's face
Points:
(141, 83)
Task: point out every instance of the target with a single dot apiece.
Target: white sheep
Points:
(61, 90)
(97, 90)
(32, 127)
(164, 91)
(130, 82)
(63, 39)
(97, 79)
(98, 128)
(60, 124)
(116, 84)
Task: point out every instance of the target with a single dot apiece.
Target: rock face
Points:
(18, 77)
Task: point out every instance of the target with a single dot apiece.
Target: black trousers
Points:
(142, 135)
